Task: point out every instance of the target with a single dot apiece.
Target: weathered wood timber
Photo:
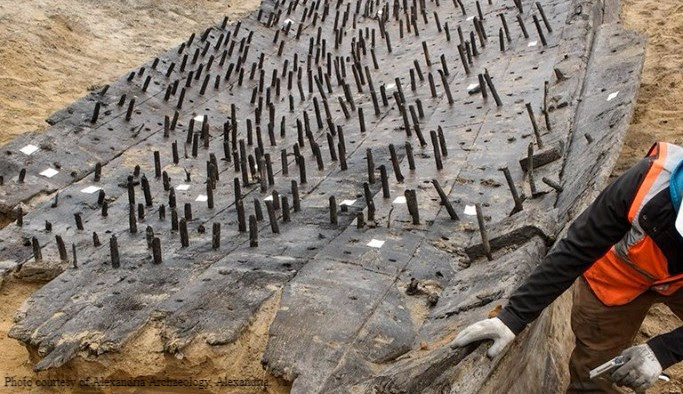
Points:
(318, 103)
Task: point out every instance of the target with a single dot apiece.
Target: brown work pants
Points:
(603, 332)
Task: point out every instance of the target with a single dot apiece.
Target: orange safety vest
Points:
(635, 264)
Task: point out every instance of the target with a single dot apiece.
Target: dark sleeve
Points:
(668, 347)
(591, 235)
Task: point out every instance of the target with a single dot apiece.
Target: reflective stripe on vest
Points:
(635, 263)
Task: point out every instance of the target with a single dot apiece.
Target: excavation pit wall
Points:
(344, 320)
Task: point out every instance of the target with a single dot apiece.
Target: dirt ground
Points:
(659, 111)
(14, 359)
(53, 51)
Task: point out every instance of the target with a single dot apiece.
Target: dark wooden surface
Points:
(346, 320)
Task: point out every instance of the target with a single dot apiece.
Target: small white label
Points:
(469, 18)
(390, 86)
(532, 44)
(399, 200)
(470, 210)
(201, 198)
(348, 202)
(90, 189)
(269, 198)
(199, 118)
(29, 149)
(472, 87)
(182, 187)
(286, 22)
(49, 173)
(612, 96)
(375, 243)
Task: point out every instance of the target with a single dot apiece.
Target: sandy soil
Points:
(53, 51)
(659, 111)
(14, 359)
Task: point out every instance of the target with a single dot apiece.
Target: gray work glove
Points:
(640, 370)
(493, 329)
